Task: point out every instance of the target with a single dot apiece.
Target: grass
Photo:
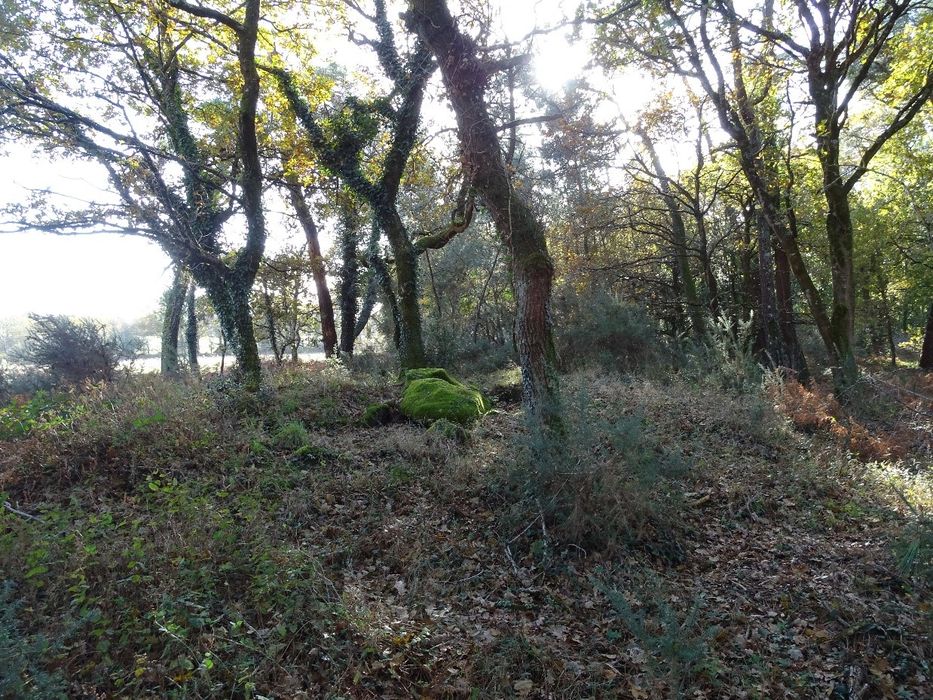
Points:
(193, 541)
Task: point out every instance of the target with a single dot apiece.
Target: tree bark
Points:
(324, 301)
(926, 354)
(411, 342)
(465, 78)
(349, 279)
(785, 303)
(270, 325)
(229, 285)
(191, 332)
(171, 322)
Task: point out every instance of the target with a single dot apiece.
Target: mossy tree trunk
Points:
(407, 316)
(191, 332)
(465, 79)
(228, 283)
(349, 278)
(171, 322)
(401, 110)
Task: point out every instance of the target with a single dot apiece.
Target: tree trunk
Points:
(249, 257)
(230, 298)
(270, 324)
(171, 321)
(191, 333)
(324, 301)
(465, 78)
(410, 341)
(785, 303)
(840, 238)
(369, 301)
(926, 354)
(888, 323)
(770, 341)
(349, 277)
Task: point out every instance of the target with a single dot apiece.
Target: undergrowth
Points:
(606, 485)
(175, 539)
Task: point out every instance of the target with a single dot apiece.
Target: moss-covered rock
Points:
(411, 375)
(433, 399)
(449, 430)
(441, 374)
(378, 414)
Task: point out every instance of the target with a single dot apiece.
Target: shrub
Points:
(676, 646)
(600, 330)
(728, 358)
(607, 485)
(21, 381)
(73, 351)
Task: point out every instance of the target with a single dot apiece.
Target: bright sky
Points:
(105, 276)
(122, 277)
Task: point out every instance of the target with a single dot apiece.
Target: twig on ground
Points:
(9, 507)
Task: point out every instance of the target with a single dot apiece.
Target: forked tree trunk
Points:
(465, 78)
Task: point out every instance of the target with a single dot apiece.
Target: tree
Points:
(844, 46)
(145, 51)
(926, 352)
(324, 301)
(355, 126)
(284, 317)
(174, 304)
(192, 338)
(465, 78)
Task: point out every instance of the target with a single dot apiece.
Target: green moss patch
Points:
(434, 399)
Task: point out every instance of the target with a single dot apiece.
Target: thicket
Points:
(73, 351)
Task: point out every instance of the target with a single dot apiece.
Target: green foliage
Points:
(914, 549)
(596, 329)
(291, 436)
(75, 351)
(677, 646)
(23, 655)
(41, 411)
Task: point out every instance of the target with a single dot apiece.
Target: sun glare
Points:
(557, 61)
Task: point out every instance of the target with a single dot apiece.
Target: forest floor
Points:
(692, 541)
